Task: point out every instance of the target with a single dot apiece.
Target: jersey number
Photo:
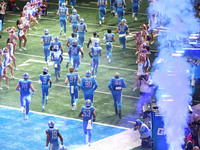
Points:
(86, 113)
(88, 84)
(54, 135)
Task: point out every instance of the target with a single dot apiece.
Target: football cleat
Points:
(24, 48)
(133, 15)
(74, 105)
(62, 148)
(88, 103)
(43, 108)
(74, 12)
(26, 117)
(23, 111)
(103, 20)
(134, 89)
(88, 73)
(1, 88)
(46, 31)
(81, 21)
(51, 124)
(26, 75)
(135, 18)
(56, 38)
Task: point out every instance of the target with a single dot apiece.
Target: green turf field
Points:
(59, 97)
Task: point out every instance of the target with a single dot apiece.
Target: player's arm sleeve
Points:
(96, 85)
(88, 44)
(124, 84)
(110, 85)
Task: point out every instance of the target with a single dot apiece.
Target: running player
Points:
(93, 39)
(73, 78)
(109, 38)
(52, 137)
(56, 45)
(46, 41)
(135, 7)
(74, 19)
(115, 85)
(74, 50)
(112, 7)
(81, 29)
(120, 6)
(102, 10)
(96, 52)
(63, 12)
(45, 81)
(88, 86)
(88, 112)
(24, 87)
(73, 4)
(122, 29)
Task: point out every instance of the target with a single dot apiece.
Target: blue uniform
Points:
(25, 94)
(95, 58)
(88, 85)
(109, 40)
(70, 39)
(45, 86)
(74, 51)
(135, 6)
(120, 9)
(73, 79)
(74, 20)
(87, 115)
(63, 14)
(60, 2)
(102, 9)
(112, 6)
(115, 85)
(81, 33)
(53, 132)
(122, 35)
(57, 45)
(46, 44)
(56, 62)
(73, 3)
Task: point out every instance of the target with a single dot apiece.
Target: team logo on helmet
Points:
(88, 103)
(46, 31)
(81, 21)
(74, 12)
(45, 69)
(88, 73)
(56, 39)
(26, 75)
(51, 124)
(63, 5)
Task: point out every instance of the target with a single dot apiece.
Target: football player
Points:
(88, 86)
(57, 58)
(63, 12)
(88, 112)
(135, 7)
(24, 87)
(120, 6)
(93, 39)
(74, 19)
(73, 4)
(81, 29)
(56, 45)
(96, 52)
(69, 43)
(45, 81)
(73, 78)
(3, 71)
(109, 38)
(62, 1)
(102, 10)
(112, 7)
(115, 85)
(74, 50)
(122, 29)
(46, 41)
(52, 135)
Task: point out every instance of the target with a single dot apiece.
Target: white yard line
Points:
(63, 117)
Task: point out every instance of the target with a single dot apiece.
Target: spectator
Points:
(188, 144)
(44, 7)
(2, 11)
(196, 148)
(194, 126)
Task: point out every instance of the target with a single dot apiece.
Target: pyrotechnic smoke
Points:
(172, 73)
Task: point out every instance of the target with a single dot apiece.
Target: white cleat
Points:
(47, 64)
(64, 34)
(133, 15)
(73, 108)
(134, 89)
(7, 86)
(30, 29)
(109, 61)
(16, 68)
(12, 77)
(74, 105)
(26, 117)
(20, 49)
(107, 57)
(100, 23)
(116, 16)
(1, 88)
(36, 21)
(24, 48)
(121, 46)
(103, 20)
(152, 42)
(135, 18)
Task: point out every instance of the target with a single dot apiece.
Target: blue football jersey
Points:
(116, 84)
(56, 45)
(45, 80)
(102, 3)
(109, 37)
(47, 40)
(74, 18)
(95, 52)
(122, 29)
(119, 4)
(88, 85)
(53, 132)
(73, 78)
(56, 56)
(81, 28)
(75, 51)
(87, 112)
(25, 87)
(62, 12)
(136, 2)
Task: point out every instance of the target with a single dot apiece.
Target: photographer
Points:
(2, 11)
(194, 126)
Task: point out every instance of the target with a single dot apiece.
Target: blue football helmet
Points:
(51, 124)
(123, 21)
(56, 38)
(96, 43)
(46, 31)
(63, 5)
(26, 75)
(88, 73)
(75, 42)
(88, 103)
(81, 21)
(74, 12)
(45, 69)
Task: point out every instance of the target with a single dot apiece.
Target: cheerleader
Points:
(3, 74)
(10, 46)
(21, 35)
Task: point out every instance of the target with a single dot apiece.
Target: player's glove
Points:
(93, 120)
(90, 55)
(33, 93)
(82, 56)
(51, 48)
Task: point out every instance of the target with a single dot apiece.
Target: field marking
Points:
(46, 114)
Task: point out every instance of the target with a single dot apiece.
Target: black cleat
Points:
(67, 65)
(120, 117)
(59, 74)
(116, 111)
